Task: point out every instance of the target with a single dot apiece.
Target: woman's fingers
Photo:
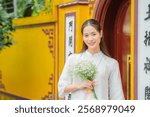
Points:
(88, 84)
(94, 82)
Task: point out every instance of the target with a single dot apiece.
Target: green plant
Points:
(39, 6)
(27, 8)
(22, 5)
(6, 28)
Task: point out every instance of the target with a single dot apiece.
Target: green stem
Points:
(94, 93)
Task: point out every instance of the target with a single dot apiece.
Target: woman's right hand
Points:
(86, 84)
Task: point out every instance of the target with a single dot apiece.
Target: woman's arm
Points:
(74, 87)
(65, 85)
(115, 84)
(65, 79)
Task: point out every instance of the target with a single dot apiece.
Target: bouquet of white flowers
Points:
(86, 70)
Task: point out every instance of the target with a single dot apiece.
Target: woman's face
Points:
(92, 38)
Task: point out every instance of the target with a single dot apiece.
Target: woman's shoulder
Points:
(110, 60)
(74, 56)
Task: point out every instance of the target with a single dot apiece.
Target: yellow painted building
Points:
(30, 69)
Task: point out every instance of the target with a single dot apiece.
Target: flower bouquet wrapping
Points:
(86, 70)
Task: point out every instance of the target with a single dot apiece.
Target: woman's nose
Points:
(90, 38)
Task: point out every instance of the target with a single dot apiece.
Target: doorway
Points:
(114, 16)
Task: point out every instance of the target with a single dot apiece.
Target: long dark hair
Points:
(97, 26)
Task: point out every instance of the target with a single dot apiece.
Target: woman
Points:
(107, 83)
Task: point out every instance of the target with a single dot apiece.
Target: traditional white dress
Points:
(109, 86)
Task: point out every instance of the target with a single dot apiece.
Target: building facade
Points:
(31, 68)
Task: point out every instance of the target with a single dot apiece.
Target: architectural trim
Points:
(77, 2)
(136, 50)
(13, 95)
(100, 10)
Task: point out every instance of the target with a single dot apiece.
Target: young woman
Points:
(107, 83)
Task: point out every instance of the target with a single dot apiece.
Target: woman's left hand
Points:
(94, 83)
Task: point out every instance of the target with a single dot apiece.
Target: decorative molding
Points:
(77, 2)
(50, 95)
(50, 34)
(8, 96)
(100, 10)
(135, 50)
(2, 86)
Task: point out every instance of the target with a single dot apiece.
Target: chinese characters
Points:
(147, 38)
(70, 44)
(69, 34)
(70, 26)
(143, 49)
(147, 93)
(147, 65)
(148, 17)
(147, 43)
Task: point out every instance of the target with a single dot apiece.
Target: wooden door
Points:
(122, 44)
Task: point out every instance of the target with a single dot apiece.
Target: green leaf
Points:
(6, 29)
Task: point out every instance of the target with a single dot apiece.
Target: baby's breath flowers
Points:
(86, 70)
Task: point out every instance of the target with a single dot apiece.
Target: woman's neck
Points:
(93, 51)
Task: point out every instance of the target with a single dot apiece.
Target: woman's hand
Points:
(87, 84)
(94, 83)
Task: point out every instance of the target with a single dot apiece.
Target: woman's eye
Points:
(93, 34)
(85, 35)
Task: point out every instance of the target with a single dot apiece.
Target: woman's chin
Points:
(91, 47)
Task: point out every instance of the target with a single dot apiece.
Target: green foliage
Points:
(27, 8)
(21, 6)
(6, 28)
(37, 8)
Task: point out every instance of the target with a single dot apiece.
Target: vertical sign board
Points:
(69, 34)
(143, 50)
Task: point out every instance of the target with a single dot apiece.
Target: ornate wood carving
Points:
(50, 94)
(2, 86)
(50, 34)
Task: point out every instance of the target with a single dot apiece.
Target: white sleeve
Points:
(115, 85)
(65, 78)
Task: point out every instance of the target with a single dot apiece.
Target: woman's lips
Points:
(91, 44)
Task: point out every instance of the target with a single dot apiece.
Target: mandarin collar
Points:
(93, 55)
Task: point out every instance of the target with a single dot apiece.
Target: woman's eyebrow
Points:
(93, 32)
(90, 32)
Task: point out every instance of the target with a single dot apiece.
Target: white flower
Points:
(85, 69)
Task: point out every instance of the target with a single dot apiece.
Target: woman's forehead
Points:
(90, 29)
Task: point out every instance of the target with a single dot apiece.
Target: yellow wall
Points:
(28, 68)
(28, 64)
